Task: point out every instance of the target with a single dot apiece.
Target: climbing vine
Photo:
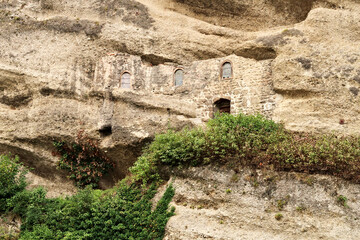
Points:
(83, 159)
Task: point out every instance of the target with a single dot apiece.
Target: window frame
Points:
(222, 68)
(130, 81)
(174, 79)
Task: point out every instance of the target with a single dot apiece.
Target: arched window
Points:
(222, 106)
(226, 70)
(125, 80)
(179, 76)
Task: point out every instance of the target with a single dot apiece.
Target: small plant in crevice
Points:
(234, 178)
(342, 200)
(300, 208)
(254, 182)
(281, 203)
(84, 160)
(278, 216)
(309, 181)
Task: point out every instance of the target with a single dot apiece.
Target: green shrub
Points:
(31, 205)
(252, 141)
(124, 212)
(327, 154)
(171, 148)
(225, 137)
(241, 136)
(175, 148)
(12, 178)
(40, 232)
(145, 170)
(84, 160)
(93, 214)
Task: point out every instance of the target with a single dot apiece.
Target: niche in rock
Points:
(105, 130)
(222, 106)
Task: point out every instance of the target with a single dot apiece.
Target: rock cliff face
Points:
(213, 203)
(297, 62)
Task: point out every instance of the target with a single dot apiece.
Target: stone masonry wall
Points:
(249, 90)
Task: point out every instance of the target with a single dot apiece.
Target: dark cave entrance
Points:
(105, 130)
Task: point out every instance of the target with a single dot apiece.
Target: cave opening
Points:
(105, 131)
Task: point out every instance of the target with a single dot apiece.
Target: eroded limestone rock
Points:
(218, 203)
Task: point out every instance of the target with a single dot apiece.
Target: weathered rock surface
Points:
(297, 61)
(213, 203)
(317, 74)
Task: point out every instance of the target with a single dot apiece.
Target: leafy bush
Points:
(241, 136)
(145, 170)
(32, 206)
(40, 232)
(124, 212)
(225, 137)
(84, 160)
(252, 141)
(175, 148)
(327, 154)
(12, 178)
(91, 214)
(172, 148)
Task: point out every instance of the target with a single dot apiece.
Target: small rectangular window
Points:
(226, 70)
(179, 76)
(125, 80)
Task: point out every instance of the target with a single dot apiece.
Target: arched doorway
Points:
(222, 106)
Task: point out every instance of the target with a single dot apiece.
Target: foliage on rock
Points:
(124, 212)
(12, 178)
(84, 160)
(225, 137)
(252, 141)
(327, 154)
